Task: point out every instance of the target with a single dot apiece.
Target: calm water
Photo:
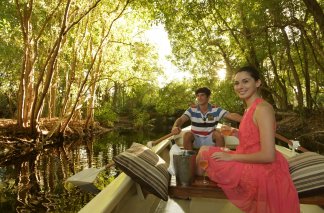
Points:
(37, 184)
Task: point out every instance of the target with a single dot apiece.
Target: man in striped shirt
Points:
(204, 118)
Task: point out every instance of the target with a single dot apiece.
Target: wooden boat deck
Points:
(196, 189)
(208, 205)
(196, 204)
(211, 190)
(199, 198)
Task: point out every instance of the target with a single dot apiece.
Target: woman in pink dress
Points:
(255, 177)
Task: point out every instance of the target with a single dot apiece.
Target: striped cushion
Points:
(146, 168)
(307, 171)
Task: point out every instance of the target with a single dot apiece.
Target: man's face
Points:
(202, 98)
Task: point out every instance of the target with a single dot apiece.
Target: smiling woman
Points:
(159, 38)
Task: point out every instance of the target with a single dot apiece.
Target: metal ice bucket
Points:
(185, 167)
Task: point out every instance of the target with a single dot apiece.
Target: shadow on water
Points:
(38, 183)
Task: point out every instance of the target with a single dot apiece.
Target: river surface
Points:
(37, 184)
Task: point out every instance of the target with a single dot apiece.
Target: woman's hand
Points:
(229, 131)
(224, 156)
(234, 132)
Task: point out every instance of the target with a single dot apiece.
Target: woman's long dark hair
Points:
(251, 70)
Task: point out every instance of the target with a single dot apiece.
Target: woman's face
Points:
(244, 85)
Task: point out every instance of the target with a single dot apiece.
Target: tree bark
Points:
(283, 99)
(25, 91)
(305, 58)
(38, 103)
(299, 92)
(315, 9)
(252, 58)
(93, 88)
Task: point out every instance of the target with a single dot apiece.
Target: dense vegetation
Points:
(90, 60)
(66, 65)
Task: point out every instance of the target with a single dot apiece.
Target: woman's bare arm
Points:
(265, 120)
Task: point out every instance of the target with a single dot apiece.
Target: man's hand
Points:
(176, 130)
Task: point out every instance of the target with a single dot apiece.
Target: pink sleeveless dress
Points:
(254, 187)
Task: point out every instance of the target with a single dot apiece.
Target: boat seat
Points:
(198, 189)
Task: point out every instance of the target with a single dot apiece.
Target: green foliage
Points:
(209, 35)
(174, 96)
(223, 95)
(10, 57)
(6, 108)
(106, 115)
(103, 179)
(141, 118)
(206, 36)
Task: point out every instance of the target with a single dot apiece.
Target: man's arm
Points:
(233, 116)
(176, 128)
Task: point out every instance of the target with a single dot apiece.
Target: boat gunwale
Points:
(112, 194)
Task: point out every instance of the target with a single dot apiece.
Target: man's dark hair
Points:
(204, 90)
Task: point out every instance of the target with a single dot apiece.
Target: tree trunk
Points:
(252, 58)
(229, 67)
(305, 58)
(91, 101)
(25, 92)
(299, 92)
(315, 9)
(115, 95)
(38, 103)
(52, 96)
(283, 99)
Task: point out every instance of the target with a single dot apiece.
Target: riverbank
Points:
(16, 144)
(309, 131)
(13, 143)
(75, 129)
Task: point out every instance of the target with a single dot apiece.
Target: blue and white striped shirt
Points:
(204, 124)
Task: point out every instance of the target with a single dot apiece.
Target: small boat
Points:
(124, 195)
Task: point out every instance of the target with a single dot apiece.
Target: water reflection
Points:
(36, 184)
